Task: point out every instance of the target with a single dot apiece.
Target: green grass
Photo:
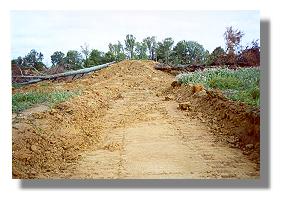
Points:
(22, 101)
(16, 86)
(241, 84)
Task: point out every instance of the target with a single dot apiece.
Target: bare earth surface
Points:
(166, 144)
(139, 134)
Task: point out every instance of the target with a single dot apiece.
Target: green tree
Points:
(164, 49)
(117, 51)
(96, 57)
(57, 58)
(130, 45)
(197, 53)
(74, 59)
(109, 57)
(151, 46)
(34, 59)
(180, 53)
(140, 49)
(215, 56)
(189, 52)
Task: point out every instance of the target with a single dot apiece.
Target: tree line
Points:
(165, 51)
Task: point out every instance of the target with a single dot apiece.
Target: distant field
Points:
(241, 84)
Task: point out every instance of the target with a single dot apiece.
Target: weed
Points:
(241, 84)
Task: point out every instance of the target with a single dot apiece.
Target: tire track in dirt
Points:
(163, 143)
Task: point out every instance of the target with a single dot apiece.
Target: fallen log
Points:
(36, 79)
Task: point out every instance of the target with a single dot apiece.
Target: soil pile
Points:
(49, 142)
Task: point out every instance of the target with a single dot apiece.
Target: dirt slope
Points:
(121, 127)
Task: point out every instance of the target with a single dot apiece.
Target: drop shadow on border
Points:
(263, 182)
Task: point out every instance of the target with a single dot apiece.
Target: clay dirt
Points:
(131, 121)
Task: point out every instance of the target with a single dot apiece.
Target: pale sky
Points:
(50, 31)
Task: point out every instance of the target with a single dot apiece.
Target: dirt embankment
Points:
(233, 122)
(124, 124)
(47, 143)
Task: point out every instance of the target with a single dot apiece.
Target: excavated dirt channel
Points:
(164, 144)
(129, 131)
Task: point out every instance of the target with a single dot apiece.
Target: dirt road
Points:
(141, 135)
(163, 143)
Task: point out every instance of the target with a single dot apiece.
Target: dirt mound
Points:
(236, 123)
(47, 143)
(56, 70)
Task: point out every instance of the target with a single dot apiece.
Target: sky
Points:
(50, 31)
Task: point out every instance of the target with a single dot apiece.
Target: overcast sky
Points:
(49, 31)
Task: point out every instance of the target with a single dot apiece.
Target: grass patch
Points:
(16, 86)
(22, 101)
(241, 84)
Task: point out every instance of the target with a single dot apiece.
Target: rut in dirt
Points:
(160, 142)
(123, 127)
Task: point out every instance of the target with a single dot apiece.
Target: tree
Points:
(254, 44)
(96, 57)
(19, 61)
(34, 59)
(57, 58)
(189, 52)
(151, 46)
(117, 51)
(85, 50)
(216, 57)
(130, 44)
(232, 38)
(197, 53)
(164, 49)
(74, 59)
(140, 49)
(109, 57)
(180, 53)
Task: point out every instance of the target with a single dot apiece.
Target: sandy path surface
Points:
(164, 144)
